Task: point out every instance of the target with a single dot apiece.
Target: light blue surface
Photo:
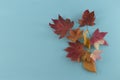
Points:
(29, 50)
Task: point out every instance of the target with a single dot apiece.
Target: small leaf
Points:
(86, 57)
(61, 26)
(75, 51)
(86, 39)
(90, 66)
(75, 34)
(96, 55)
(97, 43)
(88, 19)
(97, 37)
(96, 46)
(88, 62)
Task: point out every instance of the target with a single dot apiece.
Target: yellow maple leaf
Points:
(86, 39)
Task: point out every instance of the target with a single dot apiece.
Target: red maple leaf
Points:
(75, 51)
(61, 26)
(97, 35)
(87, 19)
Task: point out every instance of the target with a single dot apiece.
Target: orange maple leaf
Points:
(90, 66)
(75, 34)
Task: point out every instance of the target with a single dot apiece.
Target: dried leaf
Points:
(75, 34)
(61, 26)
(75, 51)
(90, 66)
(88, 19)
(97, 36)
(86, 39)
(88, 62)
(97, 43)
(96, 55)
(86, 57)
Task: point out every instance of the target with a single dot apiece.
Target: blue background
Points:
(29, 50)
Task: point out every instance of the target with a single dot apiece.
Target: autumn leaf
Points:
(75, 51)
(90, 66)
(75, 35)
(86, 39)
(88, 62)
(61, 26)
(98, 37)
(96, 55)
(88, 19)
(97, 43)
(86, 56)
